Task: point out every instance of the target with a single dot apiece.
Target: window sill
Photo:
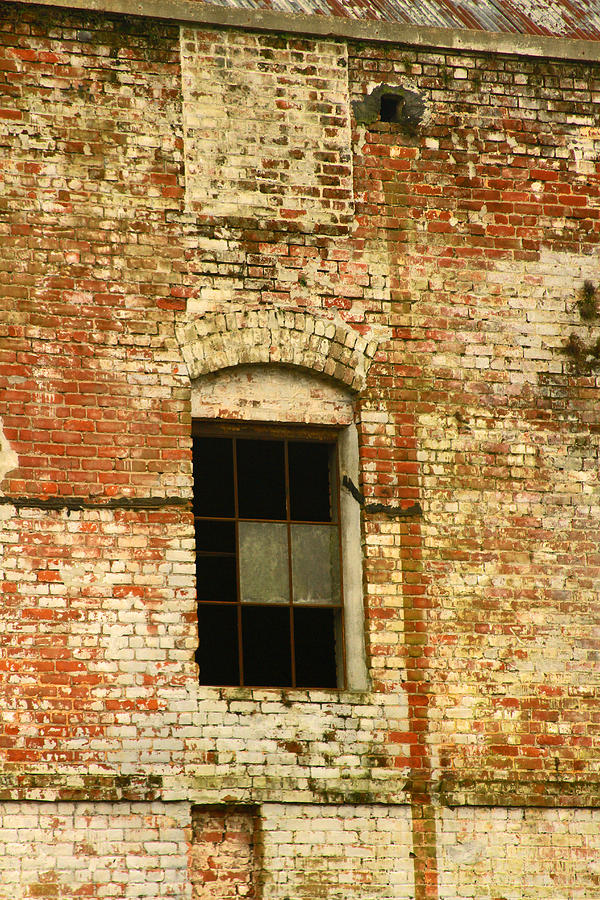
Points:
(287, 696)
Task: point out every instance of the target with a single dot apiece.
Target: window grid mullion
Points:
(336, 475)
(288, 513)
(237, 562)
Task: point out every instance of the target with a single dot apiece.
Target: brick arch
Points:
(284, 336)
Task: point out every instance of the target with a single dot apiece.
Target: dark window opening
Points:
(213, 477)
(391, 108)
(310, 490)
(268, 570)
(218, 651)
(266, 639)
(314, 636)
(260, 479)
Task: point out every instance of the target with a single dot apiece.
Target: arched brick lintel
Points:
(284, 336)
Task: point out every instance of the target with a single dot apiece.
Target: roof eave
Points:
(199, 13)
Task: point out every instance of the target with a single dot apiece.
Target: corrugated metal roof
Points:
(551, 18)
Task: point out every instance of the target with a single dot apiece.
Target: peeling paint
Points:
(8, 458)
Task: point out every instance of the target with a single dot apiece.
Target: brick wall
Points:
(71, 850)
(495, 230)
(223, 858)
(457, 254)
(336, 852)
(251, 111)
(519, 853)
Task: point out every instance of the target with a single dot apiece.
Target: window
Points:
(391, 107)
(268, 557)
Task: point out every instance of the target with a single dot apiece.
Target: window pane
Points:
(213, 477)
(216, 536)
(266, 645)
(310, 493)
(261, 479)
(314, 645)
(264, 571)
(215, 579)
(315, 564)
(217, 653)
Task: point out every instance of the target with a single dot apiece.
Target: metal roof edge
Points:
(198, 13)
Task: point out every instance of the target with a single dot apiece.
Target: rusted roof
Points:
(554, 18)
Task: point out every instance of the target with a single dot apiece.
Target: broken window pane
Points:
(213, 477)
(218, 537)
(266, 646)
(261, 479)
(217, 654)
(216, 579)
(310, 491)
(315, 637)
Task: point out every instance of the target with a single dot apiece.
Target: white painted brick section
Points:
(264, 130)
(102, 850)
(517, 854)
(337, 852)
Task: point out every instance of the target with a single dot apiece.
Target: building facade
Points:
(299, 448)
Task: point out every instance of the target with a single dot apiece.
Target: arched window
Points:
(279, 574)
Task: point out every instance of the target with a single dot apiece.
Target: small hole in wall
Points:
(391, 108)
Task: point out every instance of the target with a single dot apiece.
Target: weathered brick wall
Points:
(102, 632)
(519, 854)
(460, 250)
(494, 221)
(223, 858)
(70, 850)
(336, 852)
(252, 106)
(91, 148)
(91, 390)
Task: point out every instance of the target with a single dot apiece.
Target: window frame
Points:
(327, 434)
